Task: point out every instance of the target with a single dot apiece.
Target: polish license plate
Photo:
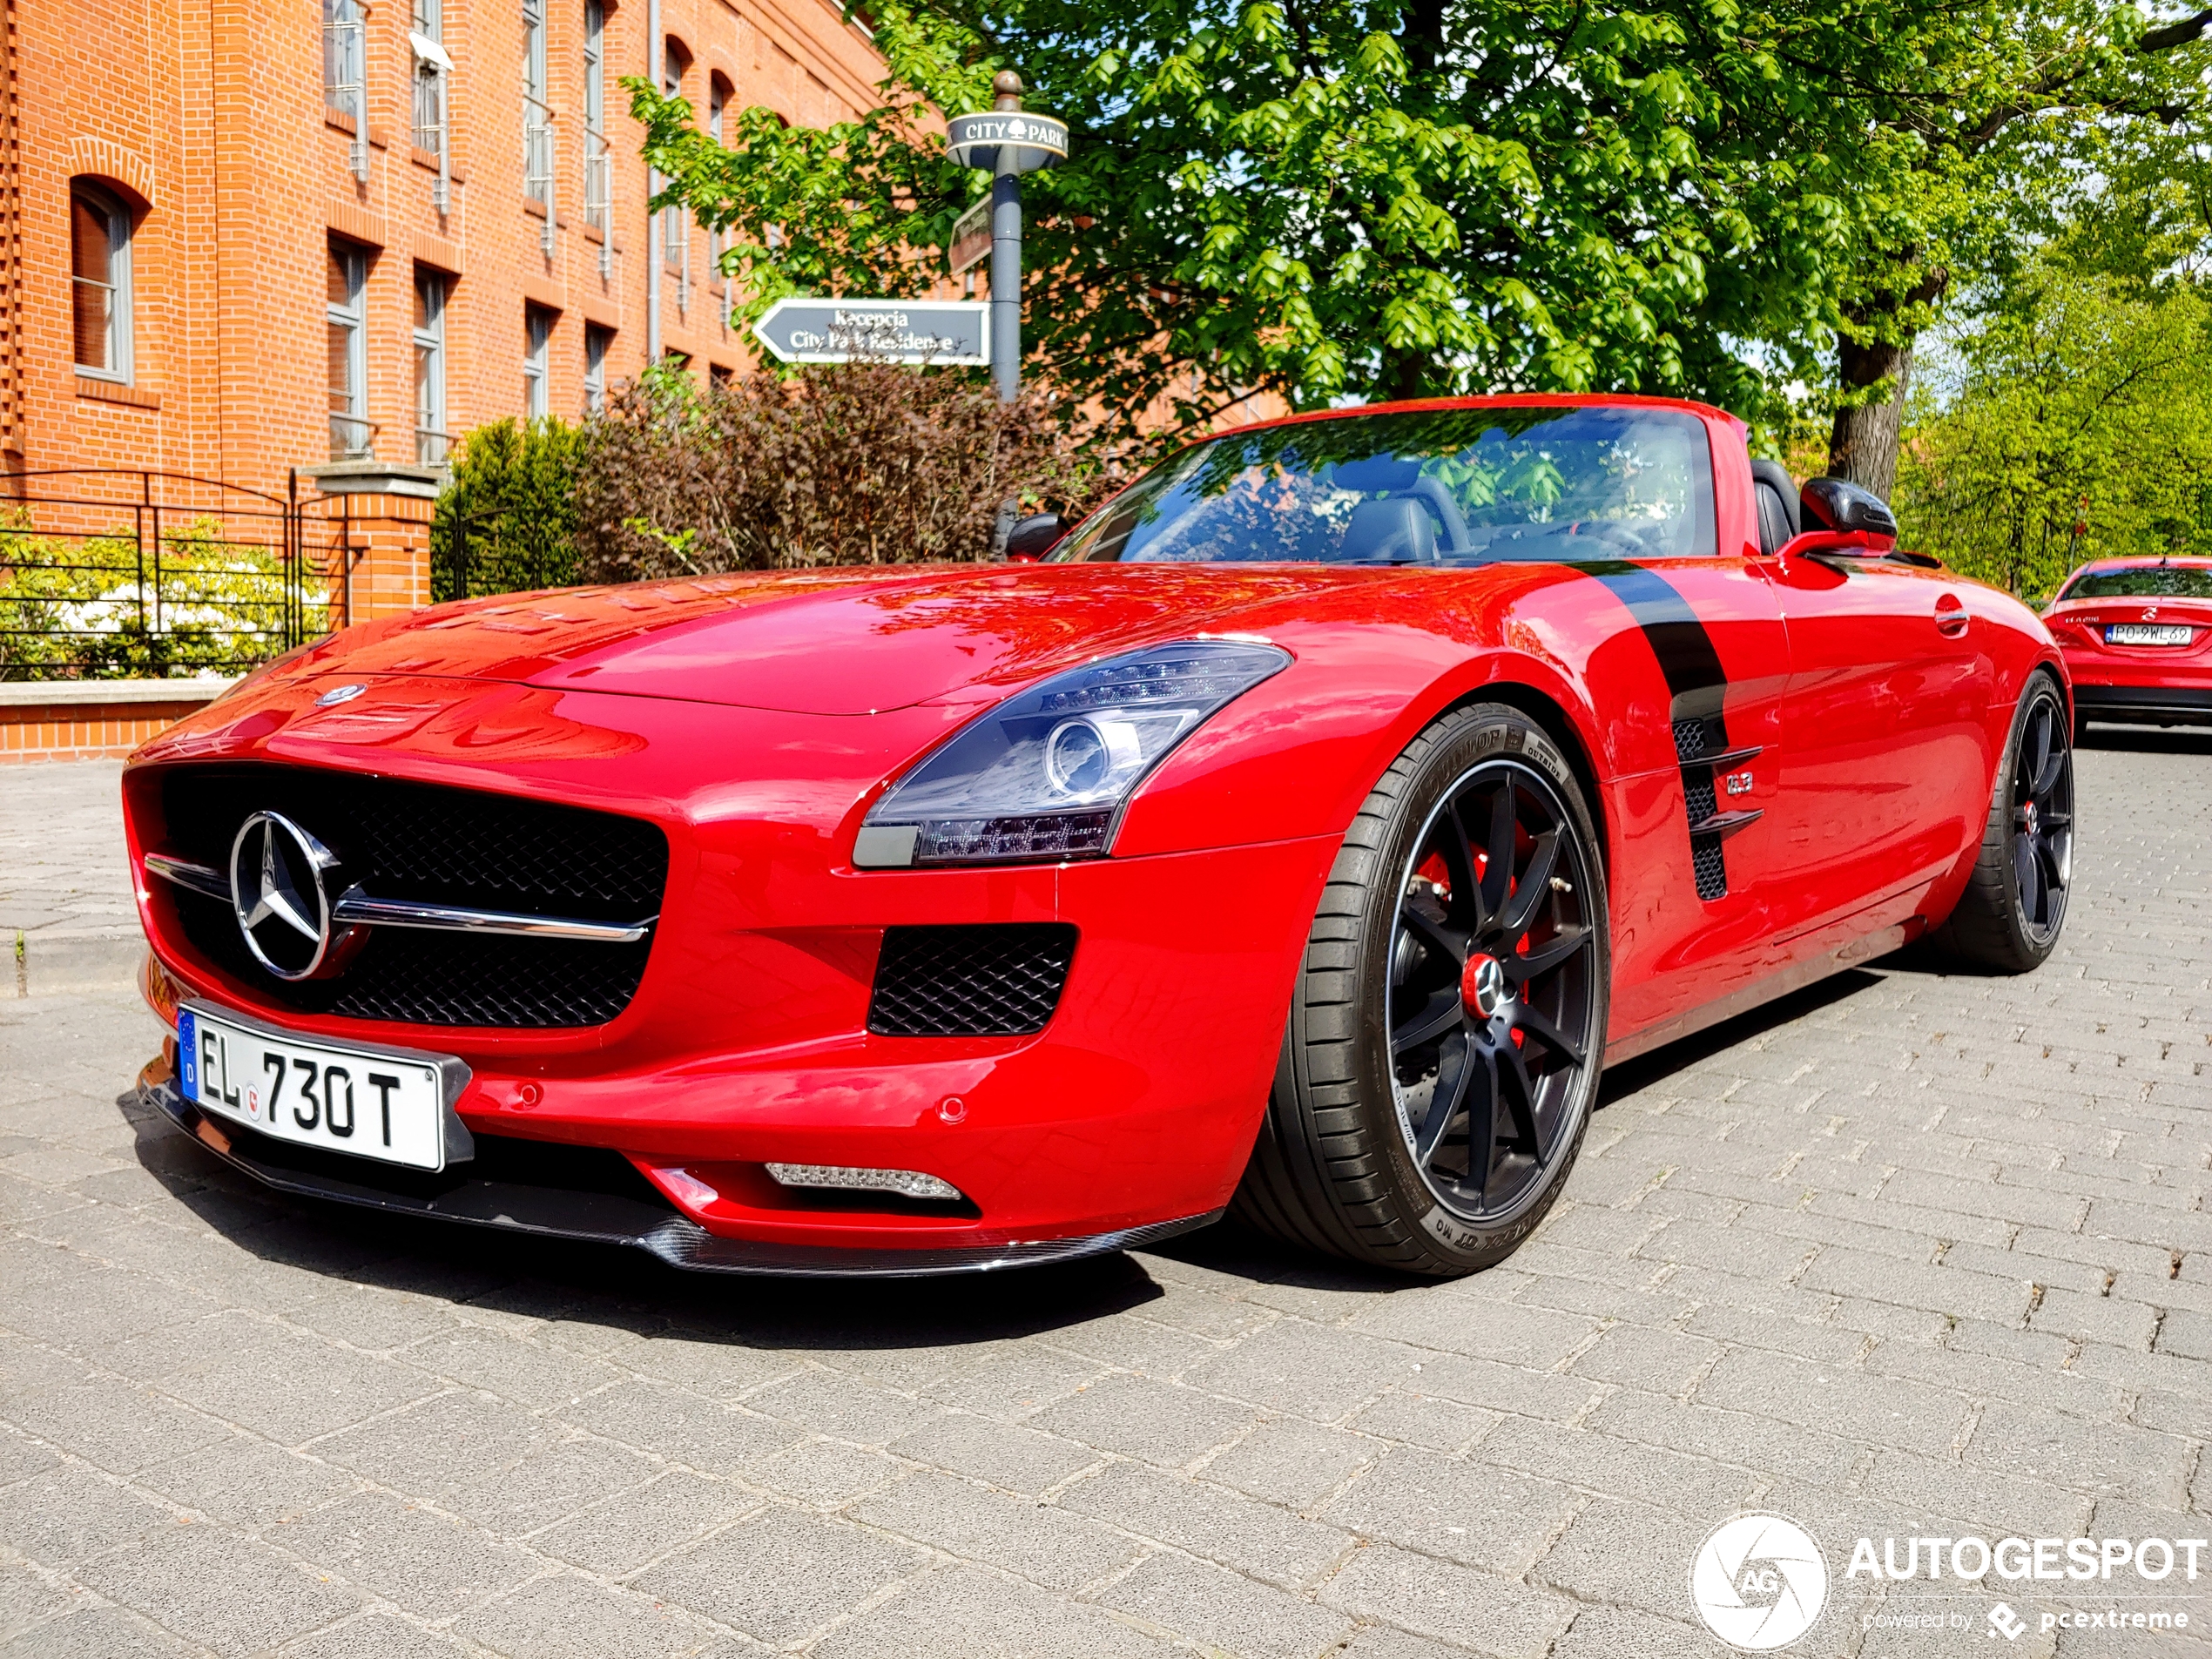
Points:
(2148, 633)
(388, 1106)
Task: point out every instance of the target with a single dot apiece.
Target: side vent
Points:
(1700, 747)
(993, 979)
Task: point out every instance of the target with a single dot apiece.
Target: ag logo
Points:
(1759, 1581)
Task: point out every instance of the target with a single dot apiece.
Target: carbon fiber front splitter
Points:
(614, 1218)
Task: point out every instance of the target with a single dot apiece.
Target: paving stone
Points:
(620, 1535)
(1621, 1554)
(430, 1566)
(1462, 1605)
(825, 1474)
(68, 1512)
(1424, 1420)
(248, 1483)
(376, 1635)
(1289, 1461)
(1018, 1458)
(670, 1423)
(1208, 1520)
(95, 1633)
(27, 1599)
(976, 1614)
(568, 1617)
(1140, 1417)
(284, 1384)
(824, 1569)
(1049, 1545)
(222, 1591)
(1221, 1610)
(1462, 1510)
(1882, 1411)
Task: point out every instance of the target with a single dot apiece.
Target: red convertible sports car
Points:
(1300, 835)
(2137, 637)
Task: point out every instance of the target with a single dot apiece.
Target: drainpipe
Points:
(653, 69)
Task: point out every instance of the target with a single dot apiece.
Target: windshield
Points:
(1450, 486)
(2144, 581)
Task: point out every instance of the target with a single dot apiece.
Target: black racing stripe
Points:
(1687, 659)
(1698, 688)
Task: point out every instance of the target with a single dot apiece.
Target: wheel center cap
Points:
(1482, 985)
(2031, 818)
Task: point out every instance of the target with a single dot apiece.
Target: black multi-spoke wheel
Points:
(1490, 990)
(2009, 916)
(1445, 1038)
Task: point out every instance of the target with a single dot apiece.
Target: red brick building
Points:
(245, 235)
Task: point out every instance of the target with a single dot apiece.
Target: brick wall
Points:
(210, 119)
(93, 721)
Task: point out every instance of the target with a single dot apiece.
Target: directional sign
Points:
(944, 331)
(974, 140)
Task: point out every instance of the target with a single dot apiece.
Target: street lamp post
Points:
(1006, 143)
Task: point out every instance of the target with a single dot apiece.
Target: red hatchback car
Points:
(2137, 636)
(1304, 832)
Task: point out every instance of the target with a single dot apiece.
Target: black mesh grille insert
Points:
(1706, 857)
(994, 980)
(404, 840)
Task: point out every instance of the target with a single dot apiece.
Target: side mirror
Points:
(1035, 535)
(1835, 505)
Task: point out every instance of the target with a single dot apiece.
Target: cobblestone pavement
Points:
(66, 920)
(1910, 1254)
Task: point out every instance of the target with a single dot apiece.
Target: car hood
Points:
(831, 642)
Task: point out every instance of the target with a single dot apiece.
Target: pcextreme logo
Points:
(1759, 1581)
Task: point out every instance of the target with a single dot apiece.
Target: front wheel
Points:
(2009, 917)
(1447, 1030)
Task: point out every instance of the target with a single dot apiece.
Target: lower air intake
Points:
(997, 980)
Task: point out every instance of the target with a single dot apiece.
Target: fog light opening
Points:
(907, 1183)
(688, 1187)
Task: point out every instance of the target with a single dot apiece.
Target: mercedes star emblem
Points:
(338, 694)
(277, 890)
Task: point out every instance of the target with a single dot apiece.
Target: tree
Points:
(508, 519)
(2080, 426)
(1322, 199)
(1962, 126)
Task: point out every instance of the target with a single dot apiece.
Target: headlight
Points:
(1044, 775)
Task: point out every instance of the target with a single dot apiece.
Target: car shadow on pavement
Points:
(2148, 740)
(621, 1287)
(1632, 1075)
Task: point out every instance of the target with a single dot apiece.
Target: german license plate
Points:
(389, 1106)
(2148, 633)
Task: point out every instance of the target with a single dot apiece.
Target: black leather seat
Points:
(1395, 530)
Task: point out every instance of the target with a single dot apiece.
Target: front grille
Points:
(438, 846)
(988, 981)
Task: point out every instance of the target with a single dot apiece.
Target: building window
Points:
(431, 66)
(538, 340)
(595, 341)
(674, 244)
(99, 264)
(537, 114)
(345, 77)
(430, 440)
(599, 160)
(718, 101)
(351, 435)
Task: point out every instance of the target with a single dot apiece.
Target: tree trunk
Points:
(1863, 445)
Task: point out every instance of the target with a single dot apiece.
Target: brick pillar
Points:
(382, 512)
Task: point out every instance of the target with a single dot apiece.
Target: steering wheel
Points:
(1606, 530)
(1456, 539)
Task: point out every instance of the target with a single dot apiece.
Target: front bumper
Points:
(600, 1212)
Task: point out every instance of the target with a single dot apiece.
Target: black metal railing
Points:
(510, 551)
(109, 574)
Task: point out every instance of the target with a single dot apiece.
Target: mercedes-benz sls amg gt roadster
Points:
(1299, 836)
(2137, 638)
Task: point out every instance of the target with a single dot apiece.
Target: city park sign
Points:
(1005, 141)
(954, 332)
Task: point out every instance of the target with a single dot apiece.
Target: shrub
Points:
(861, 463)
(508, 519)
